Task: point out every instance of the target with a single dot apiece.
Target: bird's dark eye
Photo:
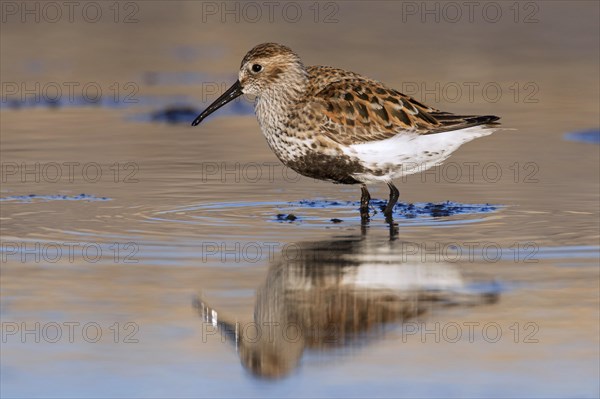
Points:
(256, 68)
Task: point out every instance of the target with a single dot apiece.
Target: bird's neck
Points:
(274, 105)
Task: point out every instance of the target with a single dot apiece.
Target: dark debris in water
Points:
(443, 209)
(409, 211)
(323, 203)
(43, 198)
(336, 220)
(282, 217)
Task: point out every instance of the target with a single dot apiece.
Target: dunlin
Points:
(335, 125)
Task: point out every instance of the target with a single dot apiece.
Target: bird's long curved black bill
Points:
(232, 93)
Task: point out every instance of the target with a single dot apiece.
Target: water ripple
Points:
(322, 212)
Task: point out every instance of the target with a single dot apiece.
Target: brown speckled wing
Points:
(355, 110)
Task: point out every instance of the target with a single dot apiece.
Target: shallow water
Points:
(155, 259)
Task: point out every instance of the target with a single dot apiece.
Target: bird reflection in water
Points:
(342, 293)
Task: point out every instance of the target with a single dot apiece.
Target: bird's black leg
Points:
(365, 198)
(394, 194)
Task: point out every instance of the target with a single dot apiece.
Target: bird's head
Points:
(268, 67)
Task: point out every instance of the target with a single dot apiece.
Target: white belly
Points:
(407, 154)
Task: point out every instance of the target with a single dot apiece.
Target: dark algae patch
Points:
(408, 211)
(443, 209)
(43, 198)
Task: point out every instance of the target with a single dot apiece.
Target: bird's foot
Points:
(388, 212)
(364, 213)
